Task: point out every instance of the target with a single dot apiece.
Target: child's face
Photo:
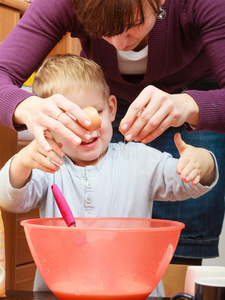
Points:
(92, 152)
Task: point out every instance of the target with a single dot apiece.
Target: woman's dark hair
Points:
(112, 17)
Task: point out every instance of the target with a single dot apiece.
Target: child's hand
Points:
(195, 164)
(34, 157)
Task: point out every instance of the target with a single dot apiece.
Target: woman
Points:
(150, 51)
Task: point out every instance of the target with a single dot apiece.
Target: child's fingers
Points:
(190, 174)
(182, 163)
(55, 158)
(37, 158)
(54, 155)
(46, 169)
(45, 164)
(180, 144)
(196, 180)
(40, 156)
(180, 166)
(56, 147)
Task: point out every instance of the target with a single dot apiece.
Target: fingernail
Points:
(76, 141)
(87, 136)
(61, 162)
(129, 137)
(87, 123)
(178, 171)
(48, 149)
(124, 126)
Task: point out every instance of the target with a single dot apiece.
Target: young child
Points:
(97, 178)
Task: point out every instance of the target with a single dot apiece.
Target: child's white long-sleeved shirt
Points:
(123, 184)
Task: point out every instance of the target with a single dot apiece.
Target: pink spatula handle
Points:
(63, 206)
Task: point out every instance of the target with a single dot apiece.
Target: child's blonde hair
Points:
(62, 72)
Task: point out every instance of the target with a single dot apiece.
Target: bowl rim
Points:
(175, 224)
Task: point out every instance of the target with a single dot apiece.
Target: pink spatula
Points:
(63, 206)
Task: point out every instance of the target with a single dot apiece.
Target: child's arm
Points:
(195, 164)
(34, 157)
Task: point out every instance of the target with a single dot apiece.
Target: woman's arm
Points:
(207, 20)
(39, 30)
(203, 27)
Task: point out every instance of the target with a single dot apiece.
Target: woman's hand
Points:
(195, 164)
(56, 113)
(153, 111)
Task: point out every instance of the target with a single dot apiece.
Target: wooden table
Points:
(25, 295)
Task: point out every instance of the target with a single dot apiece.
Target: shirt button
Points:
(88, 199)
(84, 174)
(89, 185)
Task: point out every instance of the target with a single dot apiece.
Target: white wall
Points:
(218, 261)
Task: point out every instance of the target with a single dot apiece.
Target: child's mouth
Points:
(90, 143)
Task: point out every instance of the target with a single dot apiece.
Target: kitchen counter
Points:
(28, 295)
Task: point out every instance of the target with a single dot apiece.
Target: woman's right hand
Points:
(56, 113)
(154, 111)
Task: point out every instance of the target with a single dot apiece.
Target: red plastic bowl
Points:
(102, 258)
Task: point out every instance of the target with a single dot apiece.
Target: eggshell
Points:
(96, 120)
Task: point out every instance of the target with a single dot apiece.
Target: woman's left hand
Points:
(153, 111)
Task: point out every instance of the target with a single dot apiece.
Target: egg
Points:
(96, 120)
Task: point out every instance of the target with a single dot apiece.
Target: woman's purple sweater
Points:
(189, 44)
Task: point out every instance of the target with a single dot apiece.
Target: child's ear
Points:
(112, 107)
